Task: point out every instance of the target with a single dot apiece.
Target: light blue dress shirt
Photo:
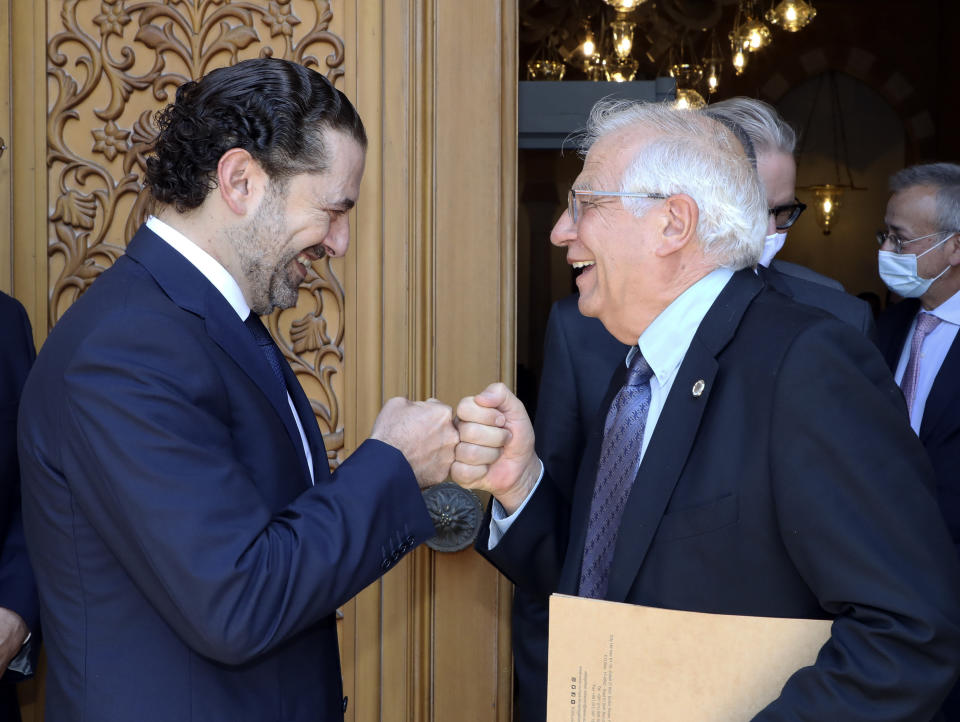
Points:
(663, 343)
(932, 353)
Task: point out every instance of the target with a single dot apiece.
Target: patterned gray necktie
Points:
(619, 456)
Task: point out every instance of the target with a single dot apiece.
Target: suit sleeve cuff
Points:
(500, 523)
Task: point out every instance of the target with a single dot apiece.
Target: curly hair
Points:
(275, 109)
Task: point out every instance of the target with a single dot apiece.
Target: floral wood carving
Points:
(111, 65)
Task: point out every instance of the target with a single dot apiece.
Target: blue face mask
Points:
(899, 272)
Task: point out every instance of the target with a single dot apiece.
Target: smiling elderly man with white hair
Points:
(752, 456)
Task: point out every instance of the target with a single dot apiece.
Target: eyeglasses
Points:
(575, 205)
(786, 215)
(899, 243)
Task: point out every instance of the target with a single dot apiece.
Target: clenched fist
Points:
(423, 431)
(495, 452)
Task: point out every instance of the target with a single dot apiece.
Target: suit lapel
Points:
(945, 392)
(899, 320)
(192, 291)
(676, 428)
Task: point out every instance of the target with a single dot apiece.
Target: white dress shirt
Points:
(228, 287)
(932, 353)
(663, 343)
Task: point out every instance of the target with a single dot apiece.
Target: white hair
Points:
(699, 157)
(763, 125)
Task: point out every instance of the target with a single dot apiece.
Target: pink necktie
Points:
(926, 322)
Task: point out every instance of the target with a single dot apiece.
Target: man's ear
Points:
(679, 216)
(241, 181)
(953, 249)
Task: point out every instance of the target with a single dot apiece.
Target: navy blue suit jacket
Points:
(580, 356)
(939, 427)
(792, 486)
(186, 567)
(17, 589)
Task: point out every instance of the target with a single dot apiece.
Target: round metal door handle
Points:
(456, 513)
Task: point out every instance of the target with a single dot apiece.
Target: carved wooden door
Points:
(431, 259)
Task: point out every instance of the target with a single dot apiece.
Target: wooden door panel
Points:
(397, 316)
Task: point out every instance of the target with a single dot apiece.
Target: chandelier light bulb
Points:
(829, 199)
(589, 47)
(622, 31)
(739, 61)
(756, 36)
(791, 15)
(624, 6)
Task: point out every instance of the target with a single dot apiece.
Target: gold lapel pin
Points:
(698, 388)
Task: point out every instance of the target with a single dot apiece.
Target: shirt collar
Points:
(205, 263)
(665, 341)
(949, 310)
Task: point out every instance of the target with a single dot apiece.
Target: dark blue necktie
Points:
(619, 455)
(268, 347)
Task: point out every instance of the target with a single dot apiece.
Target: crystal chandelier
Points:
(616, 40)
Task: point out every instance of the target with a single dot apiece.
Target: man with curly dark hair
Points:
(191, 546)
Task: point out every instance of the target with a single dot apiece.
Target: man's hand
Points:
(13, 631)
(495, 452)
(423, 431)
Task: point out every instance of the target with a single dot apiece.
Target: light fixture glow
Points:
(689, 98)
(791, 15)
(622, 32)
(829, 199)
(624, 6)
(739, 61)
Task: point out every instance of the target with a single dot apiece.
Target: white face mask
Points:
(899, 272)
(771, 247)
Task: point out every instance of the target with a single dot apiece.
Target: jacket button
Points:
(345, 698)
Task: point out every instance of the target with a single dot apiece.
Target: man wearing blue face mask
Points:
(919, 259)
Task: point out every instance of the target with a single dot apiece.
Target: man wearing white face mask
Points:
(919, 259)
(773, 142)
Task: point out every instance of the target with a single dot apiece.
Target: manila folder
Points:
(613, 662)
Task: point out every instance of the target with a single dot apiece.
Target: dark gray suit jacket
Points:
(806, 274)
